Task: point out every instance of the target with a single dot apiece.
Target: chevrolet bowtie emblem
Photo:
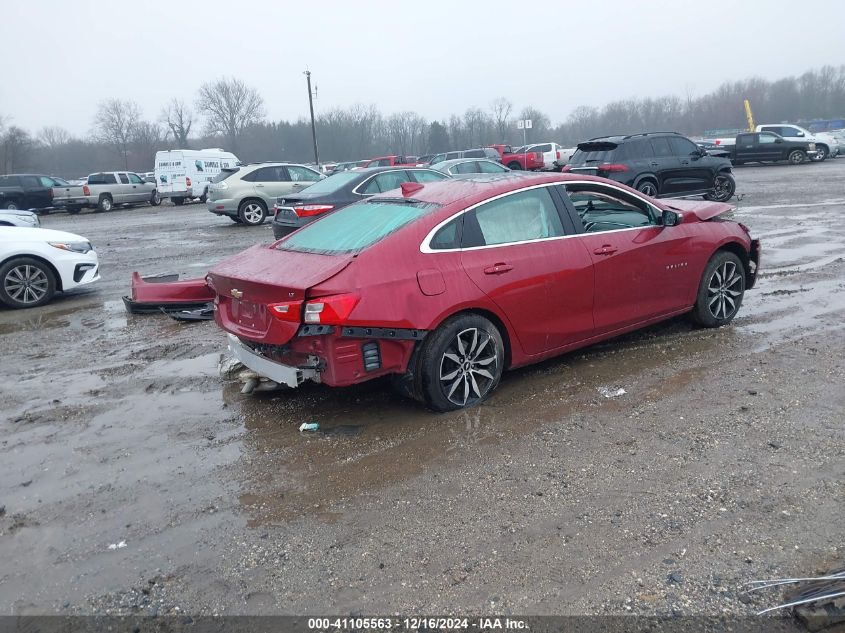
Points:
(237, 294)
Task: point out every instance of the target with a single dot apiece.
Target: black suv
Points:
(659, 164)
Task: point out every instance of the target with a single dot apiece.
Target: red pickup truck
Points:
(527, 161)
(393, 161)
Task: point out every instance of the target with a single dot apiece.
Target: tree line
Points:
(227, 113)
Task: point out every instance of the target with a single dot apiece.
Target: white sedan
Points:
(35, 263)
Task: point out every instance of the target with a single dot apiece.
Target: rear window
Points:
(102, 179)
(594, 154)
(354, 228)
(333, 182)
(8, 181)
(224, 174)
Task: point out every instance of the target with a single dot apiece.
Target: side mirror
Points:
(778, 140)
(670, 218)
(799, 134)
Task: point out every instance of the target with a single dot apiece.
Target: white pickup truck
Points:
(554, 156)
(104, 190)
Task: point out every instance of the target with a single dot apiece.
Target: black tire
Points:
(252, 212)
(515, 166)
(178, 201)
(724, 188)
(720, 291)
(26, 283)
(204, 196)
(648, 187)
(449, 378)
(155, 199)
(234, 219)
(105, 203)
(11, 205)
(796, 157)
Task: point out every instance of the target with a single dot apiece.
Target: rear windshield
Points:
(354, 228)
(224, 174)
(333, 182)
(8, 181)
(604, 153)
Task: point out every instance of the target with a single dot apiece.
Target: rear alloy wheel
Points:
(252, 212)
(105, 203)
(724, 187)
(796, 157)
(26, 283)
(461, 363)
(648, 187)
(721, 291)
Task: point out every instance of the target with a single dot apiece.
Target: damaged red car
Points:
(446, 285)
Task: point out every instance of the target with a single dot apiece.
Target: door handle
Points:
(258, 184)
(684, 162)
(655, 164)
(606, 249)
(498, 269)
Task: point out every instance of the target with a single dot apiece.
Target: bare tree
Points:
(115, 123)
(501, 109)
(54, 136)
(14, 147)
(179, 119)
(231, 106)
(147, 139)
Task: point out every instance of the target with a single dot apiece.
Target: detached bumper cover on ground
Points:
(152, 294)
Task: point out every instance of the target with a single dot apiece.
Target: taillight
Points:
(717, 142)
(86, 191)
(331, 310)
(187, 181)
(557, 155)
(286, 311)
(309, 210)
(612, 167)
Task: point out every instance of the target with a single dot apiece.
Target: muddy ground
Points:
(134, 480)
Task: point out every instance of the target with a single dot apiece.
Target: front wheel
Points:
(821, 153)
(461, 363)
(796, 157)
(26, 283)
(11, 206)
(724, 187)
(720, 291)
(252, 212)
(648, 187)
(155, 199)
(178, 201)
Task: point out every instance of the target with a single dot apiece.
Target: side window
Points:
(371, 187)
(45, 181)
(124, 179)
(661, 146)
(265, 174)
(438, 158)
(640, 148)
(470, 167)
(109, 179)
(547, 147)
(251, 176)
(453, 155)
(391, 179)
(299, 174)
(474, 153)
(518, 217)
(746, 140)
(449, 236)
(420, 175)
(683, 147)
(486, 167)
(8, 181)
(30, 182)
(766, 139)
(606, 209)
(135, 179)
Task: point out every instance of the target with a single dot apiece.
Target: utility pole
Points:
(313, 125)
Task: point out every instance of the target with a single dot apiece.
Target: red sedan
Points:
(445, 285)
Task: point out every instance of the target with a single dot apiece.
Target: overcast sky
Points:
(435, 57)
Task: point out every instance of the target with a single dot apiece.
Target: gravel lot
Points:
(722, 463)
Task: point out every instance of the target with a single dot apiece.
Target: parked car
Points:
(470, 166)
(425, 159)
(19, 217)
(826, 144)
(480, 152)
(762, 147)
(346, 166)
(340, 190)
(448, 284)
(27, 191)
(36, 263)
(184, 174)
(245, 193)
(554, 156)
(393, 160)
(104, 190)
(519, 158)
(658, 164)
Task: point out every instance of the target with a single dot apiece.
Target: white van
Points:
(182, 174)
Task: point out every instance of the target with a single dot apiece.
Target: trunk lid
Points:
(703, 210)
(247, 283)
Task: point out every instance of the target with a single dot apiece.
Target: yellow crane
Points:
(749, 116)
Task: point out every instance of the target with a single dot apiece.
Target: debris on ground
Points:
(119, 545)
(309, 426)
(819, 602)
(229, 367)
(612, 392)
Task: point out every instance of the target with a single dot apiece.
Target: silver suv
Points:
(245, 192)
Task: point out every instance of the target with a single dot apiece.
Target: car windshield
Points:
(224, 174)
(354, 228)
(333, 182)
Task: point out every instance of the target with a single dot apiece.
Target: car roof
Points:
(454, 161)
(618, 138)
